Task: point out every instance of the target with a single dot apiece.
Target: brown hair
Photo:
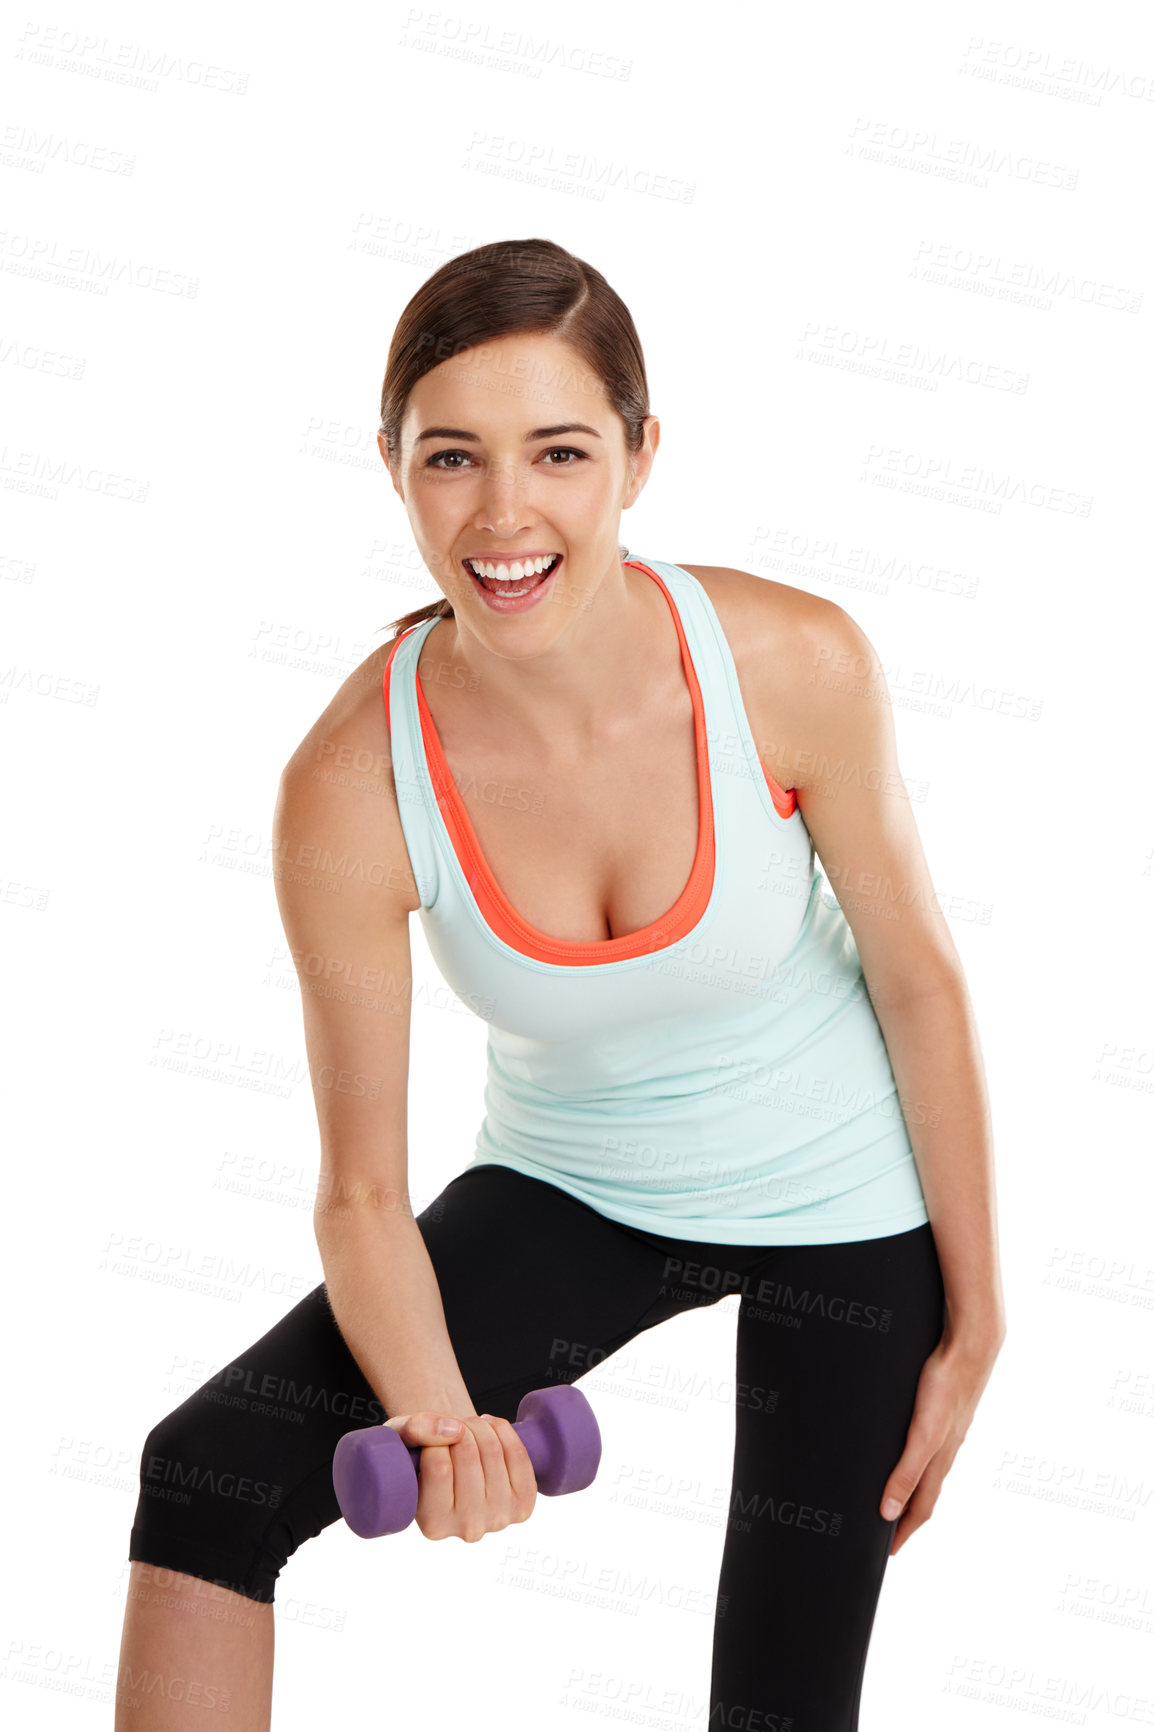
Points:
(496, 289)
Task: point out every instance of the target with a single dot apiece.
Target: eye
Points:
(435, 463)
(566, 451)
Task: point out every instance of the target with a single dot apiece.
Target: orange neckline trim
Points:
(494, 906)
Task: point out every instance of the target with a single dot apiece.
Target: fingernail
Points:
(891, 1509)
(448, 1427)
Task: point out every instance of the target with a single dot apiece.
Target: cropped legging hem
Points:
(167, 1551)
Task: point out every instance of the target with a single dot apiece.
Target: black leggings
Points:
(538, 1288)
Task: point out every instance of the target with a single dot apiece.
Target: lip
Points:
(508, 558)
(516, 603)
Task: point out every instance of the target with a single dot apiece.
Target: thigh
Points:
(831, 1340)
(537, 1287)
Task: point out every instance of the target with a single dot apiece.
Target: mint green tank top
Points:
(720, 1075)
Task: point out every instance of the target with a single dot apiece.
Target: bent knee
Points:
(228, 1499)
(195, 1453)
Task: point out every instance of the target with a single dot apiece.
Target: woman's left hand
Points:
(949, 1388)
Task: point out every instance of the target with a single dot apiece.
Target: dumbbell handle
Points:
(540, 1441)
(377, 1490)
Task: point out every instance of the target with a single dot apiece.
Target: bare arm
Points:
(350, 947)
(852, 797)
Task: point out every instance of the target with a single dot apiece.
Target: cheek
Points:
(434, 508)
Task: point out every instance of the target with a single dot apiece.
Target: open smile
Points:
(509, 585)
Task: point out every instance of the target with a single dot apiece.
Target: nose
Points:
(503, 511)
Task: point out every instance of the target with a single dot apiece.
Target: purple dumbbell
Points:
(375, 1470)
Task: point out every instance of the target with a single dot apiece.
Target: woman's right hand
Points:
(474, 1484)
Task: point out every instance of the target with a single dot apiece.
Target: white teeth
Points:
(520, 568)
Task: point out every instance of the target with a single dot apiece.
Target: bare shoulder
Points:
(354, 717)
(758, 613)
(792, 649)
(338, 785)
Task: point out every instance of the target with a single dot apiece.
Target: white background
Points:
(843, 233)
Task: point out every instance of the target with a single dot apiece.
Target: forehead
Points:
(507, 381)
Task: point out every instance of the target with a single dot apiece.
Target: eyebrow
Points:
(537, 432)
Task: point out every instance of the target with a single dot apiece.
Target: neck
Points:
(589, 683)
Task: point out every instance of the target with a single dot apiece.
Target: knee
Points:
(230, 1493)
(163, 1442)
(173, 1445)
(202, 1457)
(208, 1506)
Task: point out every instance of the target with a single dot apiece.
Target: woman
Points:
(707, 1074)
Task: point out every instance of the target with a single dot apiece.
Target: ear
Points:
(641, 462)
(394, 477)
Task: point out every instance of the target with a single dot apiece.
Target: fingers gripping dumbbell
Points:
(375, 1470)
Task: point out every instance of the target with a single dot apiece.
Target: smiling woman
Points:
(701, 1060)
